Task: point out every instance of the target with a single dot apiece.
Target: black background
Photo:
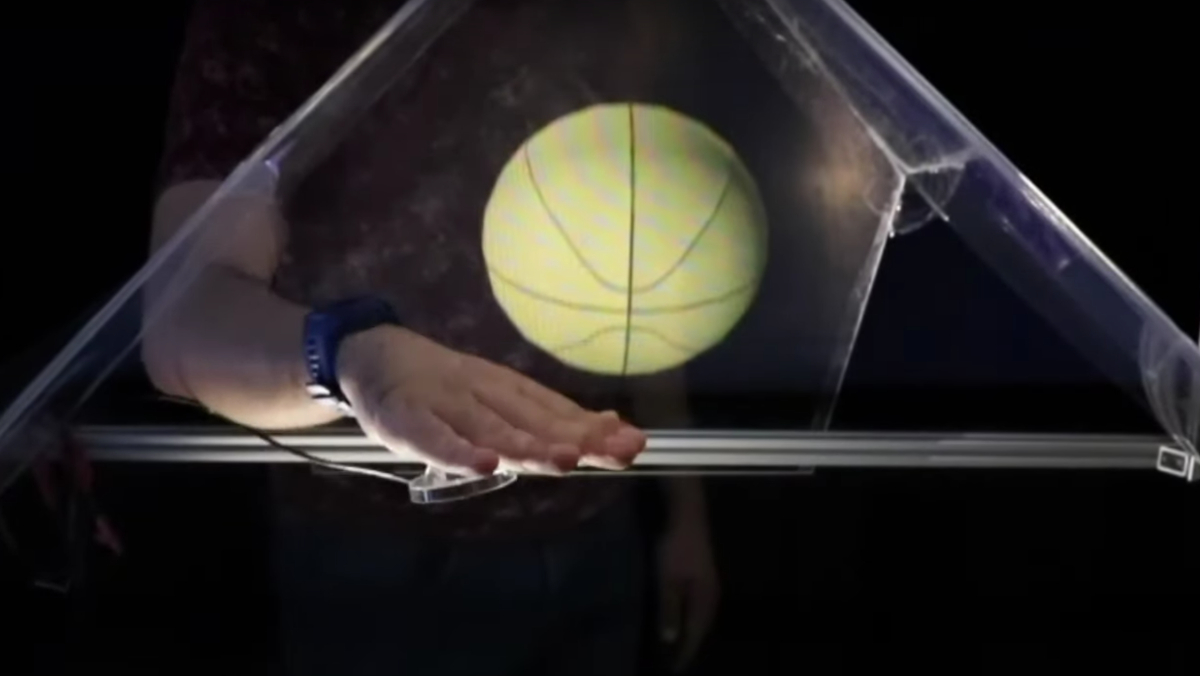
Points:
(1042, 572)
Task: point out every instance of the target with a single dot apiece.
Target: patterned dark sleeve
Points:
(245, 66)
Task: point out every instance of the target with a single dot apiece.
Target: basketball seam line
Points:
(691, 245)
(685, 349)
(592, 271)
(632, 225)
(537, 189)
(584, 307)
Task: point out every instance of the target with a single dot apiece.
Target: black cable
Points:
(274, 443)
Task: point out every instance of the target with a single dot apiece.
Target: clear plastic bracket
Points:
(1179, 462)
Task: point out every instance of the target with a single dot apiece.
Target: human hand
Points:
(689, 589)
(470, 416)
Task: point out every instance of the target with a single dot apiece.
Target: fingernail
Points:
(564, 456)
(606, 425)
(618, 446)
(631, 435)
(609, 420)
(597, 436)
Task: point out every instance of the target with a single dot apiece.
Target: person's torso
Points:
(396, 211)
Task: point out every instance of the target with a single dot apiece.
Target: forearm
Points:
(233, 345)
(227, 340)
(685, 502)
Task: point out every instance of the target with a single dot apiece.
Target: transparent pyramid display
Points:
(850, 148)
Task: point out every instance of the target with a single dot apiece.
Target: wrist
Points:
(340, 345)
(685, 504)
(360, 354)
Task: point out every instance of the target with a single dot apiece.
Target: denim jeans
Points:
(359, 605)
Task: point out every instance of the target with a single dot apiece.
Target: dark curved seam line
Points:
(685, 349)
(632, 222)
(656, 310)
(571, 305)
(562, 232)
(695, 240)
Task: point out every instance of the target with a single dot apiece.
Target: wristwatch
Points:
(324, 330)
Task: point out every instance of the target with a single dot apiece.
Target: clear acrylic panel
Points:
(844, 144)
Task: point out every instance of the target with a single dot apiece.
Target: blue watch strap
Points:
(324, 330)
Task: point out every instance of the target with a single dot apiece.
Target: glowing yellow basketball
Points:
(624, 239)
